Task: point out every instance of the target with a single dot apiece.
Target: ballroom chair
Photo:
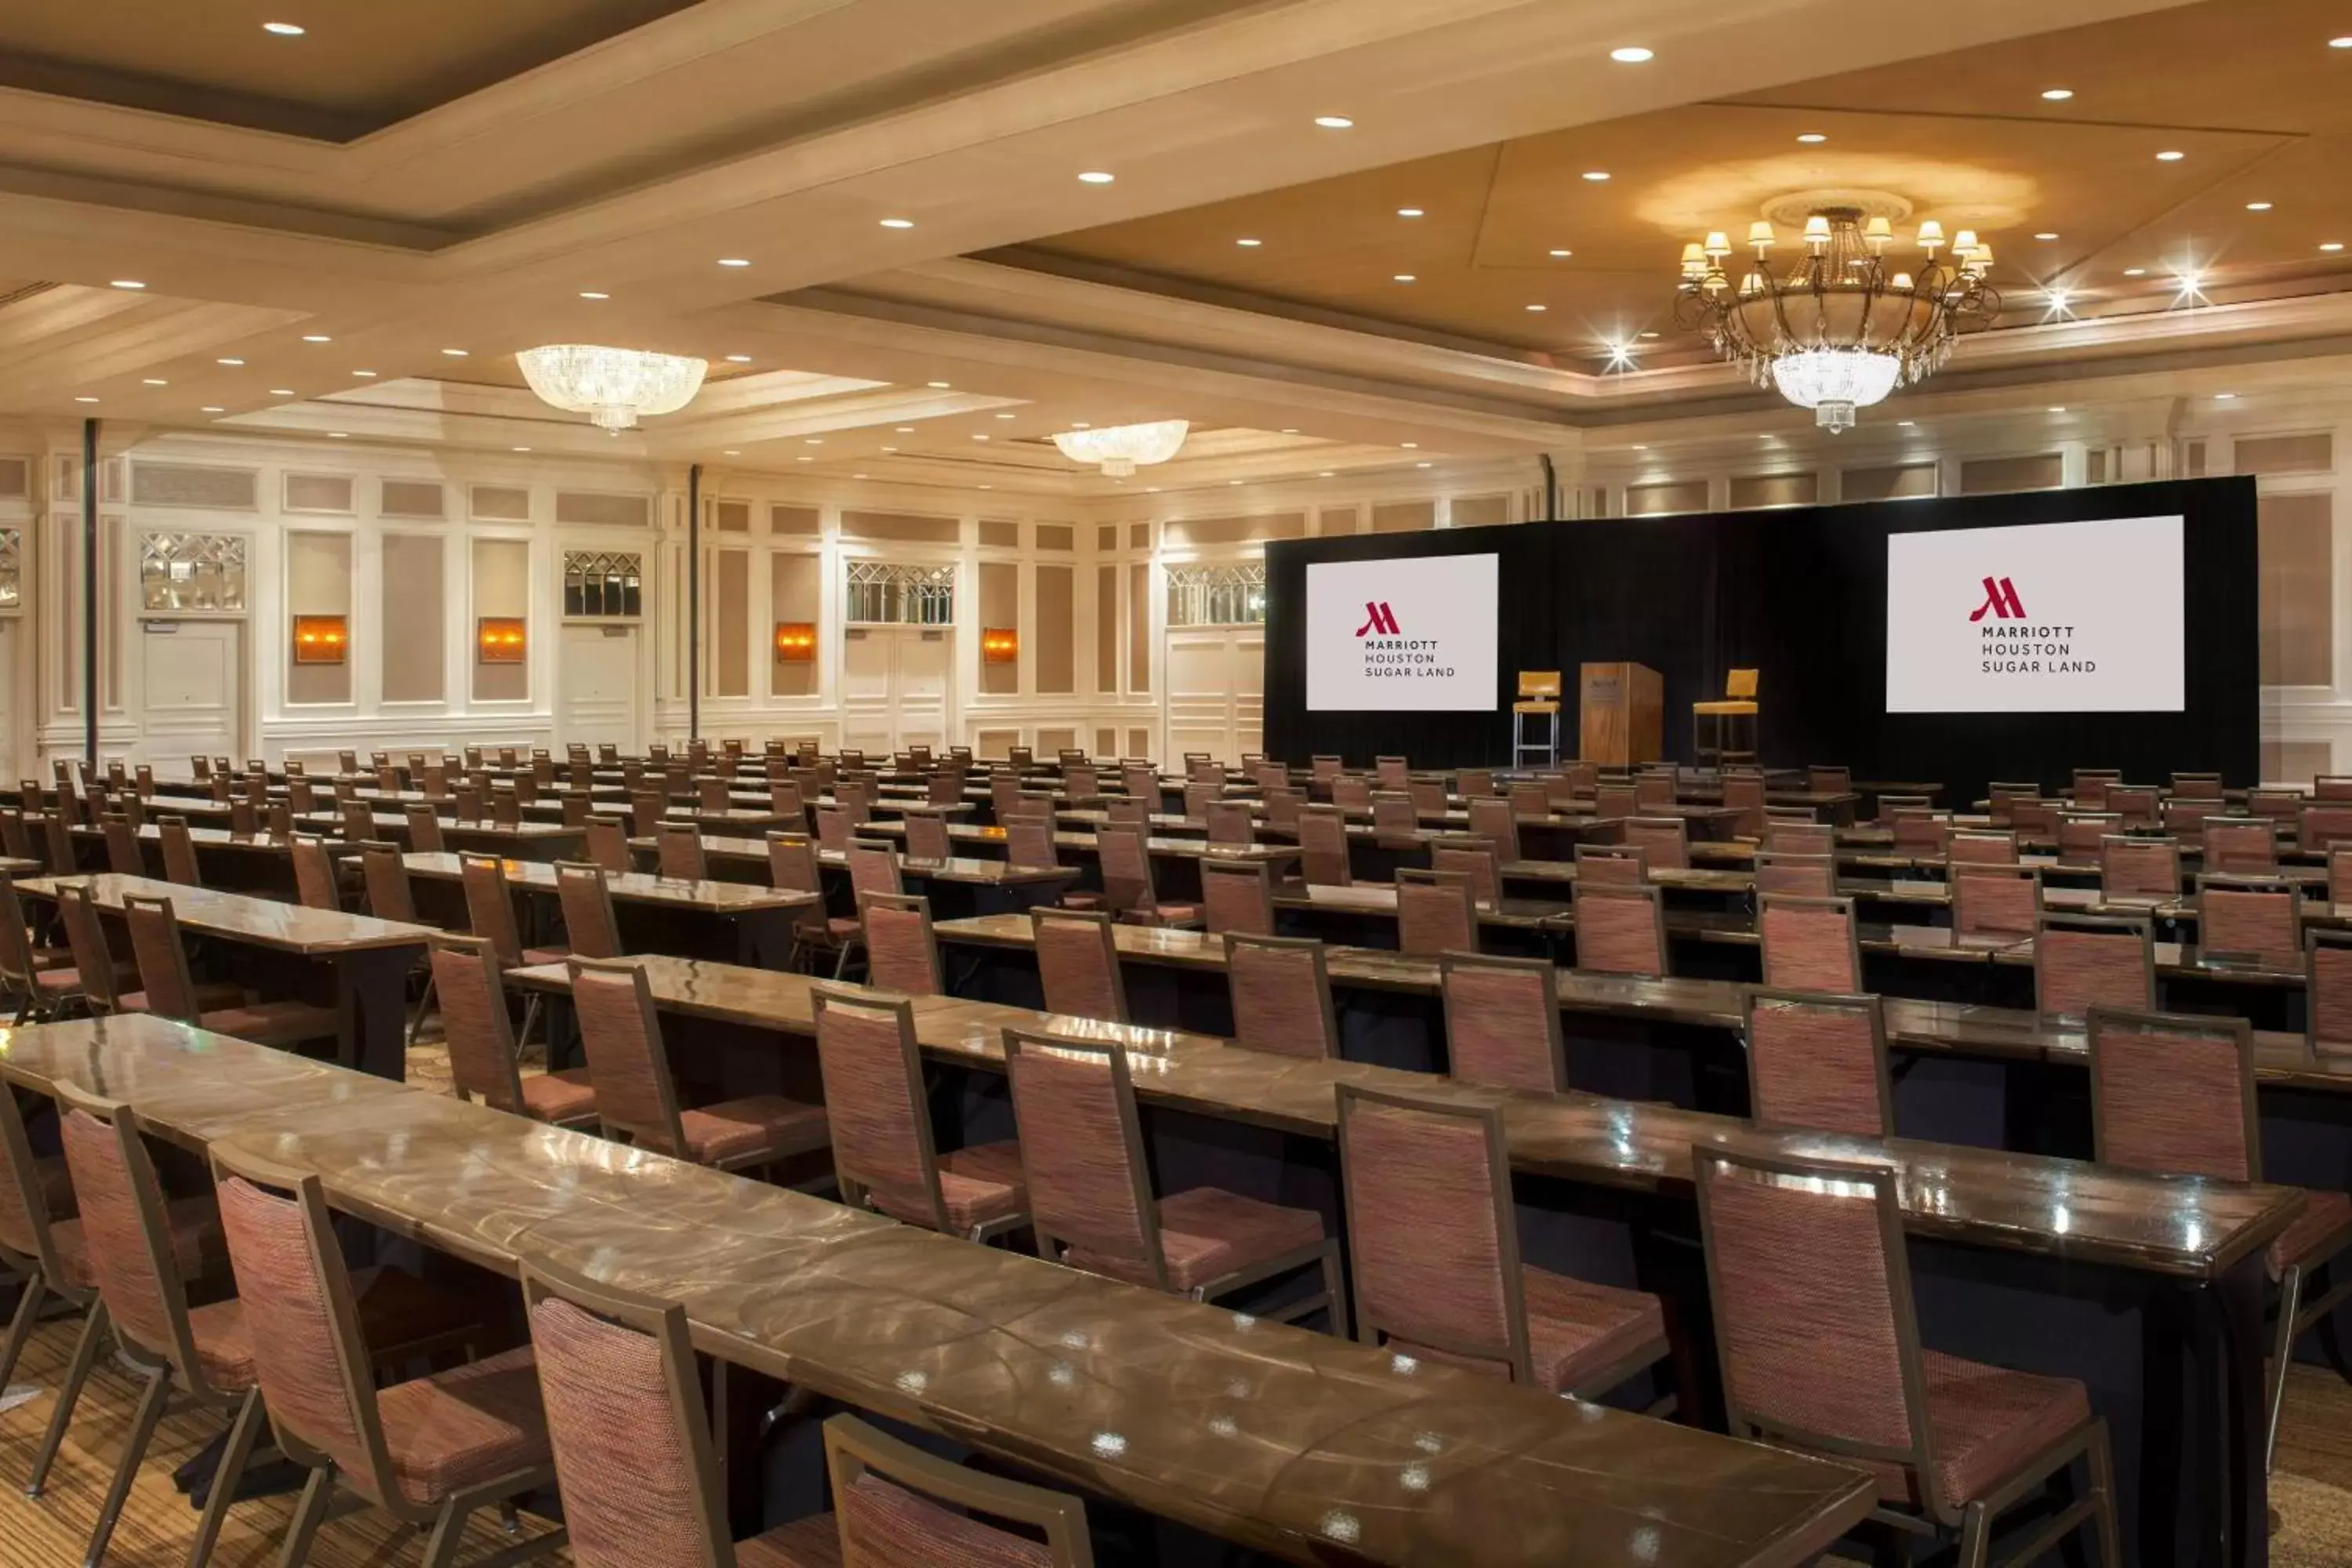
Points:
(1810, 1284)
(1434, 1242)
(39, 983)
(2240, 844)
(927, 836)
(1616, 798)
(1502, 1023)
(1995, 902)
(608, 843)
(1077, 964)
(490, 914)
(2083, 834)
(1229, 822)
(1473, 857)
(2249, 915)
(1435, 912)
(2198, 786)
(2146, 870)
(872, 867)
(1528, 797)
(1281, 991)
(1807, 876)
(2082, 962)
(143, 1248)
(316, 883)
(1621, 929)
(901, 954)
(2327, 1007)
(591, 929)
(1655, 787)
(425, 829)
(124, 856)
(1495, 820)
(2321, 825)
(1236, 895)
(480, 1039)
(1091, 1203)
(1818, 1060)
(431, 1451)
(2136, 804)
(1829, 779)
(883, 1149)
(637, 1098)
(1737, 702)
(43, 1244)
(1665, 839)
(2088, 786)
(1922, 834)
(1978, 847)
(1617, 865)
(1323, 848)
(677, 851)
(793, 867)
(1810, 944)
(1128, 889)
(169, 990)
(1392, 773)
(384, 879)
(1473, 784)
(2175, 1095)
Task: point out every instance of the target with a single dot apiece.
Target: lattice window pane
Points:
(12, 568)
(191, 571)
(884, 594)
(1217, 595)
(604, 583)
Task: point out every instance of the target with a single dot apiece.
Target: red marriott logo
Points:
(1378, 617)
(2002, 602)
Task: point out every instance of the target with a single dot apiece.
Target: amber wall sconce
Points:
(498, 639)
(1000, 645)
(322, 639)
(795, 642)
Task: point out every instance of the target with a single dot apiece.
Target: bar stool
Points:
(1092, 1206)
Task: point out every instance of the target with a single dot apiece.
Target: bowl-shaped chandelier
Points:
(1120, 449)
(1840, 329)
(613, 386)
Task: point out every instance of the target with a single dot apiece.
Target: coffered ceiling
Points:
(351, 231)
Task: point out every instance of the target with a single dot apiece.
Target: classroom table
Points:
(2014, 1253)
(283, 946)
(1276, 1438)
(661, 914)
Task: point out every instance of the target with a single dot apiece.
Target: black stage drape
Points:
(1799, 594)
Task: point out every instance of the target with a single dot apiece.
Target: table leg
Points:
(372, 1000)
(763, 939)
(2245, 1494)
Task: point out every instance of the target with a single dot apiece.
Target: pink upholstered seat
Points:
(1207, 1232)
(1576, 1330)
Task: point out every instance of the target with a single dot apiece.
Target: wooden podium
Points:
(1623, 715)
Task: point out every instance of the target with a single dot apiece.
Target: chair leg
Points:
(530, 1016)
(449, 1534)
(68, 1392)
(1338, 1289)
(1976, 1537)
(135, 1448)
(2103, 1483)
(20, 1327)
(2282, 1357)
(309, 1512)
(231, 1470)
(424, 1005)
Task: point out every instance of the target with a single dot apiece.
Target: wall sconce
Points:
(320, 639)
(498, 639)
(1000, 645)
(795, 642)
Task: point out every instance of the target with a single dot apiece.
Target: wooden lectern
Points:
(1623, 715)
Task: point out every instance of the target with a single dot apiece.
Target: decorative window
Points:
(902, 595)
(604, 583)
(1217, 595)
(12, 569)
(191, 571)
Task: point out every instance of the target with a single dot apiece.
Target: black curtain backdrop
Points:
(1800, 595)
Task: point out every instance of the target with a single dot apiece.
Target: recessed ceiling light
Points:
(732, 452)
(1324, 475)
(455, 353)
(339, 435)
(1249, 244)
(1648, 335)
(937, 385)
(898, 223)
(1408, 446)
(804, 459)
(978, 436)
(126, 283)
(364, 375)
(2058, 408)
(1290, 430)
(281, 392)
(156, 381)
(813, 441)
(317, 337)
(1905, 424)
(1563, 254)
(1409, 212)
(1233, 481)
(2046, 234)
(593, 294)
(2135, 272)
(1404, 277)
(1095, 176)
(857, 476)
(988, 487)
(2171, 157)
(1008, 416)
(739, 359)
(733, 262)
(1421, 465)
(1596, 175)
(85, 400)
(905, 430)
(1812, 138)
(1538, 307)
(2343, 43)
(889, 448)
(2333, 244)
(284, 29)
(2225, 397)
(212, 408)
(1632, 55)
(230, 362)
(2258, 207)
(1640, 447)
(2058, 94)
(1334, 121)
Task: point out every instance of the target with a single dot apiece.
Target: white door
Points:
(17, 712)
(597, 686)
(192, 673)
(897, 687)
(1216, 692)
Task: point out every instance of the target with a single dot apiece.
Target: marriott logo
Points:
(1378, 617)
(2002, 602)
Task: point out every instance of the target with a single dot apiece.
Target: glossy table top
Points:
(978, 872)
(263, 922)
(1297, 1443)
(2166, 1225)
(626, 887)
(1084, 844)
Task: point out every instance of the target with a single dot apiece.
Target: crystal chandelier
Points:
(1838, 332)
(1121, 448)
(611, 386)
